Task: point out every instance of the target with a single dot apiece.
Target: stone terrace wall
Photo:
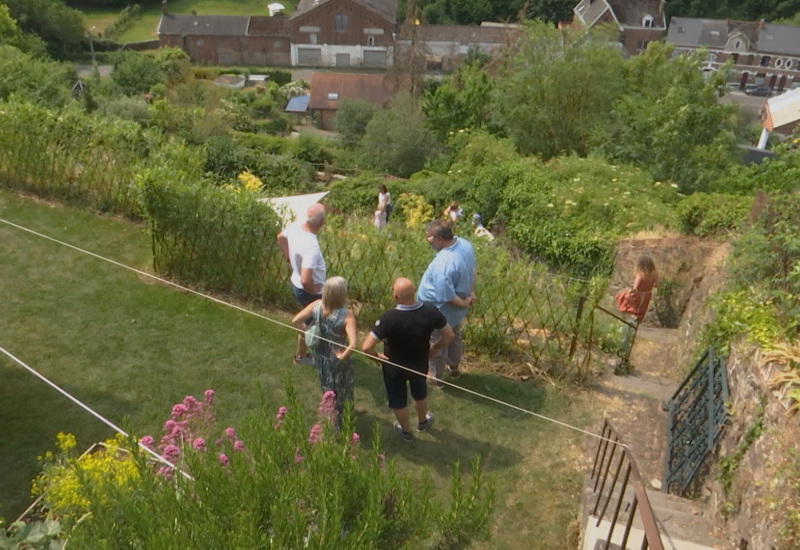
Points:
(759, 499)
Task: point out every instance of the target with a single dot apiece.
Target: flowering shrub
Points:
(68, 483)
(282, 480)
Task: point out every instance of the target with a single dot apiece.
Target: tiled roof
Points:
(385, 8)
(632, 12)
(764, 37)
(377, 89)
(204, 25)
(687, 31)
(264, 25)
(465, 34)
(779, 39)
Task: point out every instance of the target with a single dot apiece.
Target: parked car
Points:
(760, 91)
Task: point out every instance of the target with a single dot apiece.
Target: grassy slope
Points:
(145, 26)
(130, 349)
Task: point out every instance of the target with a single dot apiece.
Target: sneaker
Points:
(422, 426)
(408, 437)
(454, 372)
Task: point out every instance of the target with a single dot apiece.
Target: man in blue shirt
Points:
(449, 284)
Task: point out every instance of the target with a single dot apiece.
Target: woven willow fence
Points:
(220, 241)
(70, 157)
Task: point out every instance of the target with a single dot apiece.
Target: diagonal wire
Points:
(292, 327)
(91, 411)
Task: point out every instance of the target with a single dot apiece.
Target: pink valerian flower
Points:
(168, 425)
(231, 433)
(171, 453)
(281, 413)
(147, 441)
(238, 446)
(316, 434)
(208, 396)
(327, 406)
(179, 410)
(382, 461)
(223, 459)
(298, 458)
(199, 444)
(355, 438)
(166, 472)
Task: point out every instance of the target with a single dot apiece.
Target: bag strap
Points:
(318, 314)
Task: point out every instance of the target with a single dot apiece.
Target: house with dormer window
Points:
(761, 54)
(639, 21)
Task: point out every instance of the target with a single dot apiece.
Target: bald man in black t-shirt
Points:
(405, 332)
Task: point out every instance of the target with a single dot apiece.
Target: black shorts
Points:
(397, 391)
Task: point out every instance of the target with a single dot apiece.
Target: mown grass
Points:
(130, 348)
(145, 26)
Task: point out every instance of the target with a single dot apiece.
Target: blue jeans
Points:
(304, 298)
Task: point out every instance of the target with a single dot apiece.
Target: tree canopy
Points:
(59, 26)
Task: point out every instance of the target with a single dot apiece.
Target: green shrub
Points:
(703, 214)
(742, 313)
(358, 196)
(571, 211)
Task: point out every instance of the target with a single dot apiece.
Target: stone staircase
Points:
(634, 405)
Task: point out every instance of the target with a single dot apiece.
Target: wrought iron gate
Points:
(697, 416)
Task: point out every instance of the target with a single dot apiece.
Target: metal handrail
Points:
(640, 503)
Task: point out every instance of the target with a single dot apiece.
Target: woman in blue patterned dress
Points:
(337, 324)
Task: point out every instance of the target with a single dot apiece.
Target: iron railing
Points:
(620, 494)
(697, 416)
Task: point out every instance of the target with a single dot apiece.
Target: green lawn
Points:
(130, 349)
(145, 26)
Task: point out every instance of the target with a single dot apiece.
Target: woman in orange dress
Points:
(646, 279)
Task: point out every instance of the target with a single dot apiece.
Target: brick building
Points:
(763, 54)
(639, 21)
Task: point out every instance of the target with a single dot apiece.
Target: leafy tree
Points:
(351, 120)
(397, 140)
(59, 26)
(11, 35)
(669, 120)
(41, 81)
(136, 73)
(461, 102)
(553, 11)
(555, 87)
(175, 64)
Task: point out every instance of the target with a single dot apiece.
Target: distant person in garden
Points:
(479, 230)
(385, 201)
(406, 332)
(337, 324)
(300, 248)
(645, 280)
(635, 300)
(449, 284)
(379, 221)
(453, 213)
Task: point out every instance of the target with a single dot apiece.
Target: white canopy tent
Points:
(294, 207)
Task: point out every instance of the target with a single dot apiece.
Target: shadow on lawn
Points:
(32, 414)
(525, 395)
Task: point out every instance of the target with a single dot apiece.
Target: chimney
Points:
(164, 7)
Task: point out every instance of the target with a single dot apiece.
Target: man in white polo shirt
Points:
(300, 247)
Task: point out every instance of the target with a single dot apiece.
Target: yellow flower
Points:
(65, 442)
(249, 181)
